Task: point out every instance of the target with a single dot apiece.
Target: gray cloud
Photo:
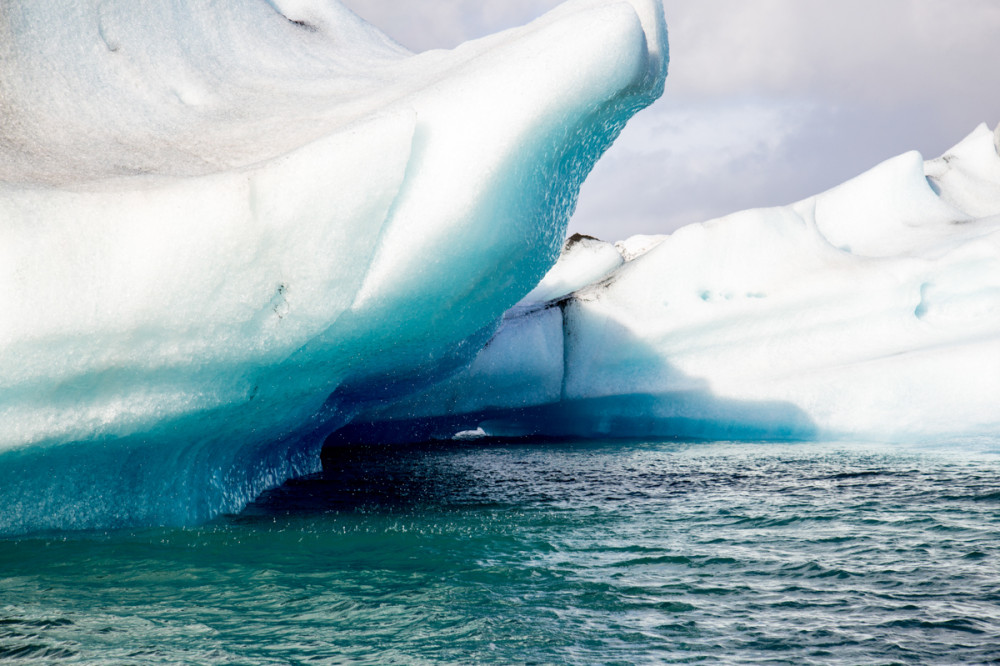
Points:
(767, 101)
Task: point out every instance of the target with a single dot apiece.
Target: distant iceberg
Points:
(227, 226)
(869, 311)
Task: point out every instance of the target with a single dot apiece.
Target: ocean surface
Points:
(546, 553)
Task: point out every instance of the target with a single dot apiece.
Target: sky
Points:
(766, 102)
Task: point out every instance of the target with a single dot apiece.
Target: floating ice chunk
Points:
(465, 435)
(225, 227)
(864, 312)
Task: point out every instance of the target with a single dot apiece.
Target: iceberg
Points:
(870, 311)
(227, 228)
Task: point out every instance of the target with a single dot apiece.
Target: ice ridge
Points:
(227, 227)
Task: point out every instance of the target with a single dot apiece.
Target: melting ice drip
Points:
(223, 226)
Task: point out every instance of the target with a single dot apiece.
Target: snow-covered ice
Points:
(225, 225)
(229, 229)
(869, 311)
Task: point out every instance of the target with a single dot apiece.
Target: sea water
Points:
(545, 553)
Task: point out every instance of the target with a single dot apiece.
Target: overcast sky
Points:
(767, 101)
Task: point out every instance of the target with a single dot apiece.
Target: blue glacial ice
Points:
(870, 311)
(227, 227)
(217, 249)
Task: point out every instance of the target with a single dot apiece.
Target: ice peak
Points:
(224, 226)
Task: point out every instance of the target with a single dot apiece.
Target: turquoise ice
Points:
(223, 225)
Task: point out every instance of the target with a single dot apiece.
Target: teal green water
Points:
(573, 553)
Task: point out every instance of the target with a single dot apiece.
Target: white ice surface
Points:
(226, 225)
(584, 260)
(640, 244)
(869, 311)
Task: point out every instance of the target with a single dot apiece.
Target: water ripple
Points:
(611, 553)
